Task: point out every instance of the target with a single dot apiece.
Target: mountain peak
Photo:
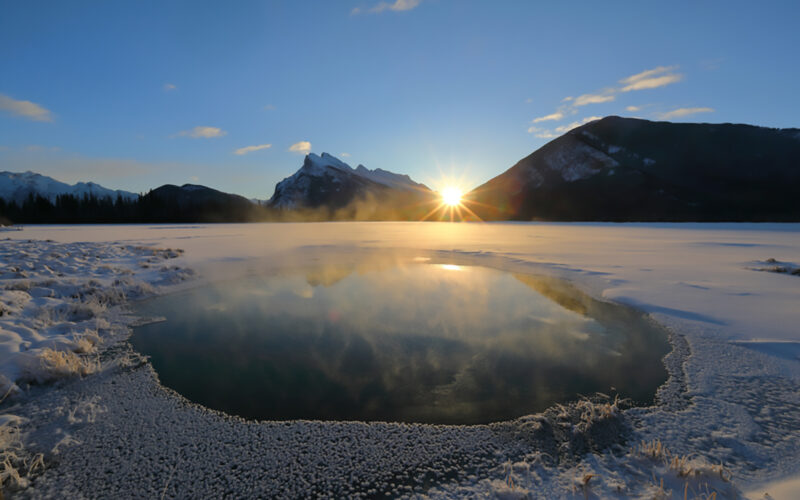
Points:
(325, 180)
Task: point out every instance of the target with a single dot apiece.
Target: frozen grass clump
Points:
(19, 285)
(683, 476)
(16, 463)
(133, 288)
(49, 364)
(564, 433)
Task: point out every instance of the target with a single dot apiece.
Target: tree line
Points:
(146, 208)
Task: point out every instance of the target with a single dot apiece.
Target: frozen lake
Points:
(388, 339)
(731, 396)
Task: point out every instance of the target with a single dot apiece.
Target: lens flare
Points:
(451, 196)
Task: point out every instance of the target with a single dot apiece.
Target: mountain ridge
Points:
(17, 186)
(626, 169)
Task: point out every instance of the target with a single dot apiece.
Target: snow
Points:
(388, 178)
(732, 397)
(578, 161)
(17, 186)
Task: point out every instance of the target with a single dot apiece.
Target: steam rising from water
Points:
(397, 339)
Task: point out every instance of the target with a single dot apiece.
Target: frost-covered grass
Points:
(59, 309)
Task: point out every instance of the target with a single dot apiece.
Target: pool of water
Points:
(413, 340)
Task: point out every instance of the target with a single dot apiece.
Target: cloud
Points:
(681, 112)
(25, 109)
(396, 6)
(250, 149)
(528, 100)
(585, 99)
(542, 133)
(553, 116)
(170, 86)
(203, 133)
(194, 178)
(301, 147)
(659, 76)
(269, 107)
(345, 155)
(651, 79)
(566, 128)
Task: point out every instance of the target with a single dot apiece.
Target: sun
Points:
(451, 196)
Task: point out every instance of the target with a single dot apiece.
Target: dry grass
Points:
(16, 464)
(50, 364)
(684, 467)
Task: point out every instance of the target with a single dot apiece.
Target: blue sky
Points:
(137, 94)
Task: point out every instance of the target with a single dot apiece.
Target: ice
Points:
(728, 420)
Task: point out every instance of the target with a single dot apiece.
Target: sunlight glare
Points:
(451, 196)
(451, 267)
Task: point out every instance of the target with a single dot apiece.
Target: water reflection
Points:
(413, 341)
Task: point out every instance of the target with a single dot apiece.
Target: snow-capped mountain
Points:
(627, 169)
(397, 181)
(17, 186)
(327, 181)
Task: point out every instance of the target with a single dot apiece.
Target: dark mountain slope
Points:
(623, 169)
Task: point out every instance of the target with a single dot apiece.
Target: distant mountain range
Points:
(613, 169)
(18, 186)
(625, 169)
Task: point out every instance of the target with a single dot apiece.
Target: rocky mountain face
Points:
(624, 169)
(326, 187)
(18, 186)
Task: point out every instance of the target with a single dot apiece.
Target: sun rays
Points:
(451, 205)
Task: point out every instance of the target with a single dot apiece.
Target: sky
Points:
(231, 95)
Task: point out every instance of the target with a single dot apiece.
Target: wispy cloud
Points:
(396, 6)
(566, 128)
(169, 87)
(25, 109)
(301, 147)
(269, 107)
(681, 112)
(543, 133)
(659, 76)
(553, 116)
(203, 133)
(585, 99)
(250, 149)
(345, 155)
(650, 79)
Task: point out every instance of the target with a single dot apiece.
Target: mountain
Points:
(625, 169)
(18, 186)
(195, 203)
(331, 188)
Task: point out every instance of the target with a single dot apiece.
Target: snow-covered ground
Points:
(95, 422)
